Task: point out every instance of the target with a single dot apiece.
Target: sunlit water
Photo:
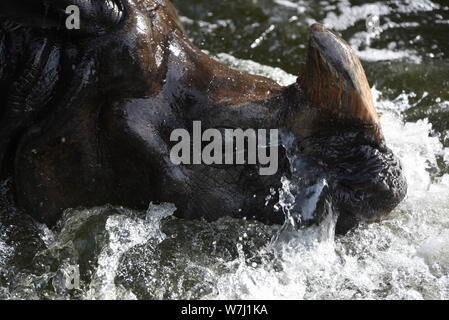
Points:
(123, 254)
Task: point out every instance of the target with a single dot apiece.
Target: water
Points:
(123, 254)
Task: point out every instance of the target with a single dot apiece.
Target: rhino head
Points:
(86, 119)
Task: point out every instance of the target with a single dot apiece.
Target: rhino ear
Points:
(96, 16)
(333, 80)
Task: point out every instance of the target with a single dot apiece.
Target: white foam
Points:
(277, 74)
(350, 15)
(371, 54)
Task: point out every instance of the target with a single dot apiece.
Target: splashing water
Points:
(125, 232)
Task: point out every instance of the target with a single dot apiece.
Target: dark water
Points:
(150, 255)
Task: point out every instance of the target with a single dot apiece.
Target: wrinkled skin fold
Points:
(86, 117)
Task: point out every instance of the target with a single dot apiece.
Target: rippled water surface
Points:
(125, 254)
